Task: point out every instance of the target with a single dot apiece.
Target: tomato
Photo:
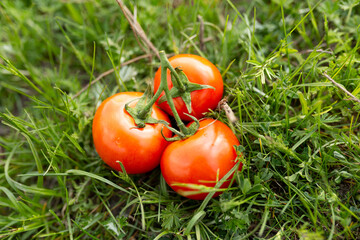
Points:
(198, 70)
(116, 137)
(201, 159)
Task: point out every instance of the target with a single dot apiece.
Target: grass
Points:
(300, 133)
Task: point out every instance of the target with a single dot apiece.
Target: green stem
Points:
(175, 74)
(165, 64)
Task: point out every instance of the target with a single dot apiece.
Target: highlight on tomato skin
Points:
(116, 137)
(198, 70)
(196, 164)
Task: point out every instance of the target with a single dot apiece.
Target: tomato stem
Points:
(178, 82)
(165, 64)
(142, 112)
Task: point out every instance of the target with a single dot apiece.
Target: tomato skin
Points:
(116, 137)
(197, 159)
(198, 70)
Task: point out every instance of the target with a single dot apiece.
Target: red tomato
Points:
(201, 159)
(198, 70)
(116, 137)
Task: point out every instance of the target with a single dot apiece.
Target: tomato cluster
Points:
(191, 166)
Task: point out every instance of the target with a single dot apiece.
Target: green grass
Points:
(299, 132)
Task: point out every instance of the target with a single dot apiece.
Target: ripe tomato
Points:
(201, 159)
(198, 70)
(116, 137)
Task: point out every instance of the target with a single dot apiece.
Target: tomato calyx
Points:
(182, 87)
(141, 113)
